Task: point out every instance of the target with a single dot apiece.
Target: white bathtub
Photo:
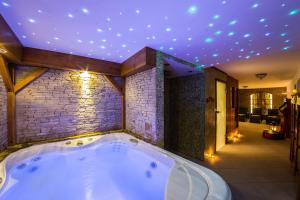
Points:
(113, 166)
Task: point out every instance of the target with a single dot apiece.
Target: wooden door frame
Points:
(216, 102)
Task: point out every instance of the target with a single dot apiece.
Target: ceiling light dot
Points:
(124, 45)
(262, 20)
(192, 9)
(168, 29)
(294, 12)
(286, 48)
(255, 5)
(209, 40)
(233, 22)
(218, 33)
(246, 35)
(189, 39)
(85, 10)
(283, 34)
(131, 29)
(118, 34)
(216, 17)
(149, 26)
(267, 34)
(137, 12)
(231, 33)
(31, 20)
(211, 25)
(5, 4)
(99, 30)
(56, 38)
(91, 42)
(24, 36)
(40, 11)
(70, 15)
(79, 41)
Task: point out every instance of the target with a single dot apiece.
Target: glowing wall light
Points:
(3, 51)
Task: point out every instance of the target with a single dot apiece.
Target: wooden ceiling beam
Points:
(115, 85)
(10, 46)
(55, 60)
(29, 78)
(143, 60)
(6, 76)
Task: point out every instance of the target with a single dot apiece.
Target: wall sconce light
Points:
(85, 75)
(2, 51)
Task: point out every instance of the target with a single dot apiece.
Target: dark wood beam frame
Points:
(10, 45)
(50, 59)
(114, 84)
(6, 76)
(143, 60)
(29, 78)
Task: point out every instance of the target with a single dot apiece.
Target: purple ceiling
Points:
(206, 32)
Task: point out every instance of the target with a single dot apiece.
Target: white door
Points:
(221, 115)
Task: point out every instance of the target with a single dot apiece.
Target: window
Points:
(261, 100)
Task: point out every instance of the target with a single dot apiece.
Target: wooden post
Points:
(11, 118)
(123, 105)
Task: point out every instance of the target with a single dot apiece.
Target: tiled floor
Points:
(256, 168)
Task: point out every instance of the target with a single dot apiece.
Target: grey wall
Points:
(184, 115)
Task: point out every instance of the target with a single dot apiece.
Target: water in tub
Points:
(106, 171)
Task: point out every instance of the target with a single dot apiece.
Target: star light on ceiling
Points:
(129, 28)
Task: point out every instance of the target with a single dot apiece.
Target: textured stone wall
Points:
(185, 115)
(279, 94)
(3, 115)
(64, 103)
(140, 97)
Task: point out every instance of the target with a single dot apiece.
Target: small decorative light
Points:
(31, 20)
(124, 45)
(5, 4)
(85, 10)
(70, 15)
(211, 25)
(286, 48)
(192, 10)
(262, 20)
(267, 34)
(131, 29)
(2, 51)
(209, 40)
(79, 41)
(218, 32)
(168, 29)
(294, 12)
(233, 22)
(137, 12)
(215, 55)
(85, 74)
(230, 33)
(118, 34)
(255, 5)
(216, 17)
(149, 26)
(247, 35)
(189, 39)
(283, 34)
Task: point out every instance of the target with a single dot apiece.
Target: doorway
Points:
(220, 114)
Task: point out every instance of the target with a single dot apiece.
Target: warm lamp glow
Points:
(85, 75)
(3, 51)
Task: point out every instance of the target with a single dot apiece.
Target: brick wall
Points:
(184, 115)
(140, 97)
(3, 115)
(63, 103)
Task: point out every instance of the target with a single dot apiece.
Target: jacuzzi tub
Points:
(108, 167)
